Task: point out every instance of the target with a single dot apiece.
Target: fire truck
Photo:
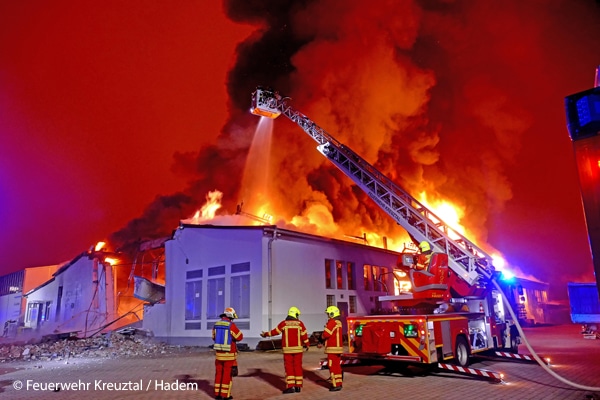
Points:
(455, 307)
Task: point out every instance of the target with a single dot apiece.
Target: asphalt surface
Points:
(189, 374)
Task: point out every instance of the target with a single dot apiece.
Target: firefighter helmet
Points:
(424, 246)
(332, 311)
(294, 312)
(230, 313)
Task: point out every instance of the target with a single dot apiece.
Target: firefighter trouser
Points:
(292, 363)
(334, 363)
(223, 379)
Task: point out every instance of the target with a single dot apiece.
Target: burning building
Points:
(93, 292)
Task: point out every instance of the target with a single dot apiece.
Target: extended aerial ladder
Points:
(465, 259)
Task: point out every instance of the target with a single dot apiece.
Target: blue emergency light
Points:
(583, 113)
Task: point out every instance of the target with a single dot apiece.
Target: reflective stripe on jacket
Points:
(293, 335)
(332, 335)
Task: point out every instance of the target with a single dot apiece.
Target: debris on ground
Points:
(114, 344)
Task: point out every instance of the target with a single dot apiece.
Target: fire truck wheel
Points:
(462, 352)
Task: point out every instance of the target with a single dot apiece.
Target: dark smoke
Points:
(436, 94)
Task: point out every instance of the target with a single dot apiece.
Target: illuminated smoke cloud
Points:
(372, 77)
(392, 83)
(435, 94)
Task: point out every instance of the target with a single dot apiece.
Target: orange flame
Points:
(209, 209)
(449, 214)
(110, 260)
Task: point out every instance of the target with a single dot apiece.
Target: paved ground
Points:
(189, 375)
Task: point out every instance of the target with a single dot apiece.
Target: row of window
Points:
(341, 275)
(338, 275)
(238, 295)
(342, 271)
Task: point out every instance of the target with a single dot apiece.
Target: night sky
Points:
(117, 118)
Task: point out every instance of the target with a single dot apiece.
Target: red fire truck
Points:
(454, 307)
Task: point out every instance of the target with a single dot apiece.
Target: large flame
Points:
(209, 209)
(449, 213)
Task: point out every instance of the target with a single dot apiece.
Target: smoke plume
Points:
(433, 93)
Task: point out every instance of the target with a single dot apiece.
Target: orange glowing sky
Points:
(119, 115)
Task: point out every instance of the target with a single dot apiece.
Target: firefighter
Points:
(225, 335)
(334, 346)
(293, 338)
(423, 258)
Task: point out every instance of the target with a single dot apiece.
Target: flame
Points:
(449, 214)
(209, 209)
(111, 260)
(99, 246)
(213, 203)
(317, 219)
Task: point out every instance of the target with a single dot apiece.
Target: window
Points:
(330, 300)
(383, 279)
(350, 275)
(220, 270)
(352, 305)
(59, 301)
(376, 285)
(216, 297)
(193, 298)
(366, 276)
(31, 315)
(46, 308)
(328, 284)
(240, 295)
(339, 276)
(195, 274)
(241, 267)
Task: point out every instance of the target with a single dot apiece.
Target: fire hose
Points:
(534, 354)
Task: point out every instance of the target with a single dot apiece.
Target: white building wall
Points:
(44, 295)
(83, 305)
(286, 269)
(10, 307)
(192, 250)
(299, 277)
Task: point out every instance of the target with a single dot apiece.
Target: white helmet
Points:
(230, 313)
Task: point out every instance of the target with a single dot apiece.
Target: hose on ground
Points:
(534, 354)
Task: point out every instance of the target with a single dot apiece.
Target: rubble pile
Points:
(109, 345)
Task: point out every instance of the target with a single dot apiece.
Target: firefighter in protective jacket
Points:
(225, 334)
(334, 346)
(293, 339)
(423, 259)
